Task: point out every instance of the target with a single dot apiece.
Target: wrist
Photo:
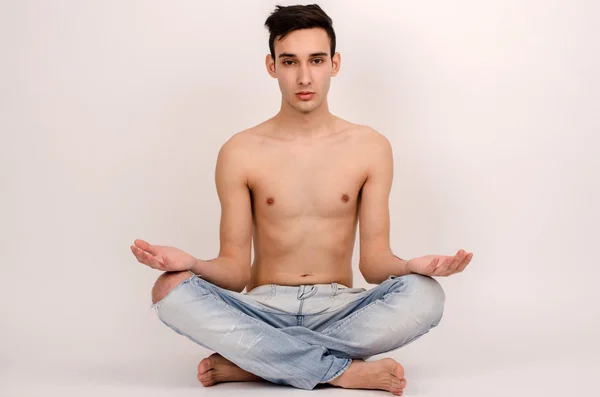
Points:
(197, 267)
(407, 268)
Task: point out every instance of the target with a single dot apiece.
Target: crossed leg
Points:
(421, 299)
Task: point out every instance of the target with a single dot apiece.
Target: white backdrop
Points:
(111, 117)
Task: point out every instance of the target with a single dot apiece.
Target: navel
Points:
(270, 200)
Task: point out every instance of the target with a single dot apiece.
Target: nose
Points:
(304, 77)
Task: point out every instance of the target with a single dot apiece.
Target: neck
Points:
(295, 124)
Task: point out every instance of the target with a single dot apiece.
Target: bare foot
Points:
(384, 374)
(216, 369)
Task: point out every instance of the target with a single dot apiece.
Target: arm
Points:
(231, 269)
(377, 262)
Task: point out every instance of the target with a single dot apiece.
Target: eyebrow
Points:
(314, 54)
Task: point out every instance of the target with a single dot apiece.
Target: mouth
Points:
(305, 95)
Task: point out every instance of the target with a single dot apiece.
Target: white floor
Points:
(510, 335)
(443, 363)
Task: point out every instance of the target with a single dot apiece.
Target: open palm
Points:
(161, 257)
(440, 265)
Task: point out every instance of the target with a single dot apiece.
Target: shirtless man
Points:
(296, 186)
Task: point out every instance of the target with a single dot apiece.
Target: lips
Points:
(305, 95)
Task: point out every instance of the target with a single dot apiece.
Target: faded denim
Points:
(303, 335)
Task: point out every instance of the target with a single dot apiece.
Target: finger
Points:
(465, 262)
(142, 257)
(146, 246)
(149, 248)
(141, 244)
(456, 261)
(443, 266)
(432, 265)
(147, 259)
(449, 264)
(155, 263)
(152, 249)
(458, 258)
(136, 252)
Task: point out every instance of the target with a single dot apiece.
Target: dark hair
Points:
(287, 19)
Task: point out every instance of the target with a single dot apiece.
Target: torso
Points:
(305, 199)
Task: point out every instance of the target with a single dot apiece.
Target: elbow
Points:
(244, 280)
(367, 273)
(238, 271)
(371, 279)
(374, 268)
(241, 286)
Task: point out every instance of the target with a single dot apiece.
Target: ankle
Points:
(340, 380)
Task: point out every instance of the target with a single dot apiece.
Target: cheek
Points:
(283, 85)
(286, 82)
(325, 81)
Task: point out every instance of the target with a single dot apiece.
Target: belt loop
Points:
(301, 291)
(334, 288)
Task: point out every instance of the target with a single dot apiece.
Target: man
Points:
(298, 184)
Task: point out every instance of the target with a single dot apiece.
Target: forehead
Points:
(303, 42)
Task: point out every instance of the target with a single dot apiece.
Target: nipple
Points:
(345, 197)
(270, 200)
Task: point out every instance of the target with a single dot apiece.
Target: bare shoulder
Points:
(237, 154)
(242, 143)
(371, 141)
(238, 142)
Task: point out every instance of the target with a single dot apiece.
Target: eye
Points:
(288, 62)
(318, 59)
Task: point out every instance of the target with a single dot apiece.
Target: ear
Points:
(270, 64)
(337, 63)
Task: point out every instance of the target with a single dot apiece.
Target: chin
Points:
(306, 111)
(303, 109)
(307, 107)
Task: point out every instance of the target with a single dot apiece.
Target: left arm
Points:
(377, 262)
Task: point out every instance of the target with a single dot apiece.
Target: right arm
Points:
(231, 269)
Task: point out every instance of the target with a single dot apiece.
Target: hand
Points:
(440, 265)
(161, 257)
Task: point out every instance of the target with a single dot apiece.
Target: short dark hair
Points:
(287, 19)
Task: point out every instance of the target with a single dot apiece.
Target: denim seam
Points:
(334, 288)
(335, 298)
(232, 295)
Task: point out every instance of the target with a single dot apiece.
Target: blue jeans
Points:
(303, 335)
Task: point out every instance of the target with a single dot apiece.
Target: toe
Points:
(399, 371)
(207, 378)
(398, 386)
(204, 365)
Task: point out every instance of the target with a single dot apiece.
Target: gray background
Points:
(111, 117)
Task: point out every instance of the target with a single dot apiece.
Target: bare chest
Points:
(321, 182)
